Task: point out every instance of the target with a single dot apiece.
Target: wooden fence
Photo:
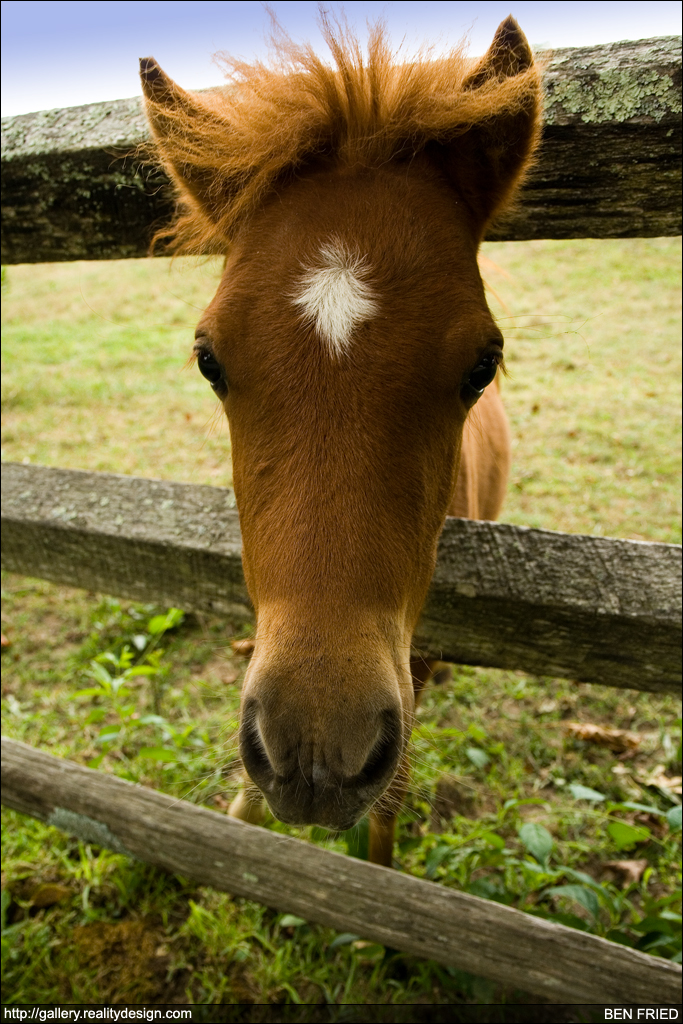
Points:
(481, 936)
(609, 166)
(501, 595)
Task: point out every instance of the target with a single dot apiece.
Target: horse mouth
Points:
(337, 826)
(333, 807)
(302, 788)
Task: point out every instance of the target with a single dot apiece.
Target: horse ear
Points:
(180, 123)
(509, 54)
(488, 161)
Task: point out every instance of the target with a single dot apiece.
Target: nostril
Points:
(253, 751)
(385, 754)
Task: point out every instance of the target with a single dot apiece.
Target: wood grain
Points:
(76, 186)
(397, 910)
(586, 608)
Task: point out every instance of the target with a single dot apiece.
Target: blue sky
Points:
(61, 54)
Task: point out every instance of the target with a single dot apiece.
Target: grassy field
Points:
(95, 377)
(510, 799)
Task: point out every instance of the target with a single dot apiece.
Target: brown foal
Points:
(352, 347)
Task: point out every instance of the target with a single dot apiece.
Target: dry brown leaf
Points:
(48, 894)
(221, 802)
(657, 778)
(630, 870)
(618, 740)
(229, 674)
(5, 642)
(243, 647)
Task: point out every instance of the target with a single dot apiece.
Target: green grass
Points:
(594, 388)
(96, 357)
(93, 378)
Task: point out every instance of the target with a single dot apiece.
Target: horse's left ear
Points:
(488, 162)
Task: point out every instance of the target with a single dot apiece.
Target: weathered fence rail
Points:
(423, 918)
(502, 595)
(610, 165)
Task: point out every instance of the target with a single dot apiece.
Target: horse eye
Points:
(480, 377)
(209, 367)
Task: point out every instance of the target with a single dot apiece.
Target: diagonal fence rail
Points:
(422, 918)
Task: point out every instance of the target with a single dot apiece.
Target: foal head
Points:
(348, 340)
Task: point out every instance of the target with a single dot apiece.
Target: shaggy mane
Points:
(270, 120)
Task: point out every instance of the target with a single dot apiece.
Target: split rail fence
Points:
(586, 608)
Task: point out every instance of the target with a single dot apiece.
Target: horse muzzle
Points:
(327, 772)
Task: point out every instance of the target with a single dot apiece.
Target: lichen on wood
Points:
(76, 184)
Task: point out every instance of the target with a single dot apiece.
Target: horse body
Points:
(349, 340)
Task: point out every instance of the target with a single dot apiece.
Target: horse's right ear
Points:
(182, 127)
(489, 160)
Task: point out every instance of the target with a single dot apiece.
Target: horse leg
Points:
(249, 804)
(383, 815)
